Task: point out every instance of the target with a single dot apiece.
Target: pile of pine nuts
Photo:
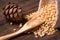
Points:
(47, 11)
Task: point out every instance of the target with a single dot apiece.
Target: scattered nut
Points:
(11, 23)
(14, 29)
(20, 25)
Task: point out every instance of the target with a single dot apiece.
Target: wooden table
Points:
(28, 6)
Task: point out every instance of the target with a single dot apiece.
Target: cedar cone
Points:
(13, 13)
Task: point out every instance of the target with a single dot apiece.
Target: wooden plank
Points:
(28, 6)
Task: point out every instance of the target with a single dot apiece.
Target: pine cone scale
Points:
(14, 10)
(7, 7)
(11, 11)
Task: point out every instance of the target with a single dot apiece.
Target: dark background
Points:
(28, 6)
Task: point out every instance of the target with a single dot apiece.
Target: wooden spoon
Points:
(34, 22)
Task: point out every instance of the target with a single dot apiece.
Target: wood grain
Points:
(28, 6)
